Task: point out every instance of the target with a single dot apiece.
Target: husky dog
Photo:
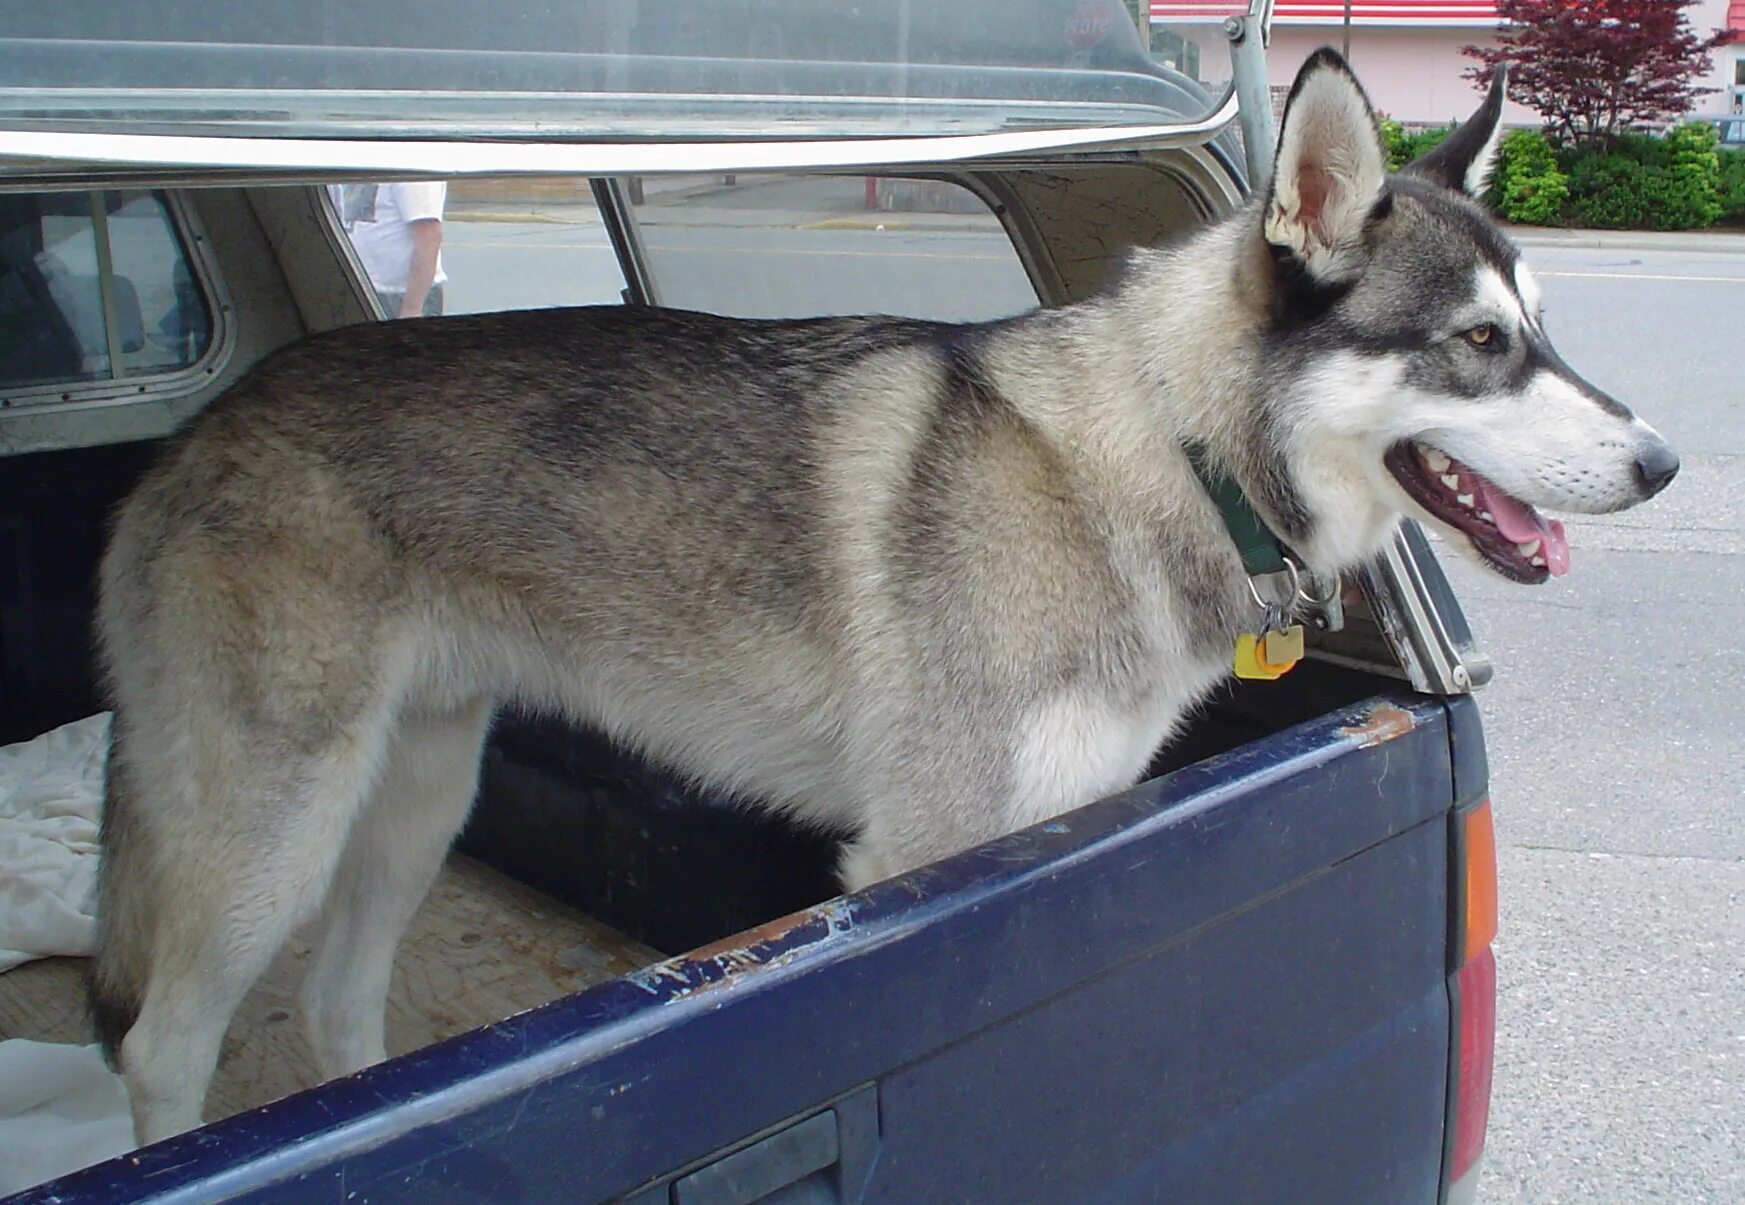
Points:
(922, 582)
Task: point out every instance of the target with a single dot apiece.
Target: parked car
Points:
(1732, 129)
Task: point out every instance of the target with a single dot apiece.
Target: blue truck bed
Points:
(1233, 982)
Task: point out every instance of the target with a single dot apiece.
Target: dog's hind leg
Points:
(392, 856)
(242, 831)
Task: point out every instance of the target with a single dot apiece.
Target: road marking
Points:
(1731, 280)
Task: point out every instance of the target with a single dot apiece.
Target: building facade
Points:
(1408, 52)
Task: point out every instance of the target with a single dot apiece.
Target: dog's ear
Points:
(1464, 159)
(1330, 173)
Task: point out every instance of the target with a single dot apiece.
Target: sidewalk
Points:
(1706, 242)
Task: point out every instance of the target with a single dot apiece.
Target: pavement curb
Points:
(492, 215)
(858, 224)
(1707, 242)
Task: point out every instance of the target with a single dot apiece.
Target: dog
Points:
(925, 583)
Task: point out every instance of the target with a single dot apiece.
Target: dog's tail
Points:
(124, 940)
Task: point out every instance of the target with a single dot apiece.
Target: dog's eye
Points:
(1485, 335)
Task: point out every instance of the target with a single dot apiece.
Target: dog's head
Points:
(1423, 381)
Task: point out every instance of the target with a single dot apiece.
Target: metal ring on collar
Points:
(1303, 596)
(1296, 587)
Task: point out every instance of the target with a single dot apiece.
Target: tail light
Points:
(1475, 999)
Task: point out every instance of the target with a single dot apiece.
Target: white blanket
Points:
(51, 794)
(60, 1108)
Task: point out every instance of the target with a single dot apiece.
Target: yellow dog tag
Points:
(1268, 658)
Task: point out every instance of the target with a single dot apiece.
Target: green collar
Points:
(1261, 552)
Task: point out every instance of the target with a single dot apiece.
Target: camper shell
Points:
(1255, 976)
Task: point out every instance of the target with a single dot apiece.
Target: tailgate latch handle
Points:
(824, 1158)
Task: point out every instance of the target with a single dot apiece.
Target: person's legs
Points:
(391, 303)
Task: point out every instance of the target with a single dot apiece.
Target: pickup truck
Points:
(1264, 974)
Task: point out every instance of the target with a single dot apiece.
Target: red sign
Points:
(1091, 24)
(1320, 12)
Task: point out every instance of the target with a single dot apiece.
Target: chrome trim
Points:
(1411, 619)
(28, 154)
(618, 215)
(363, 114)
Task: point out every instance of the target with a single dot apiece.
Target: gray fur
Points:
(928, 583)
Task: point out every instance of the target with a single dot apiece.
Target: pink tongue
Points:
(1521, 525)
(1556, 550)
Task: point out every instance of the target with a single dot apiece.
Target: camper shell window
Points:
(97, 289)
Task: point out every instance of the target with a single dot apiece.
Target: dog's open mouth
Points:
(1512, 537)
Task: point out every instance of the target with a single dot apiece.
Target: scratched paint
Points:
(1386, 722)
(719, 964)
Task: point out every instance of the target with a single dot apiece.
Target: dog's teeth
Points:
(1486, 516)
(1437, 461)
(1463, 499)
(1539, 561)
(1451, 481)
(1528, 548)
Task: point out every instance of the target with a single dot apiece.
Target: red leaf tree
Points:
(1594, 68)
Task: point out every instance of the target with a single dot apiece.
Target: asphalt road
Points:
(1617, 774)
(746, 262)
(1618, 765)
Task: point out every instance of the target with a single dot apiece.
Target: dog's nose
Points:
(1655, 468)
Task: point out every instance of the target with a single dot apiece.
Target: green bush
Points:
(1646, 149)
(1670, 183)
(1681, 181)
(1606, 191)
(1404, 146)
(1393, 141)
(1685, 194)
(1425, 141)
(1731, 185)
(1527, 185)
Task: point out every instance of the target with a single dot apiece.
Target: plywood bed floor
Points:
(482, 948)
